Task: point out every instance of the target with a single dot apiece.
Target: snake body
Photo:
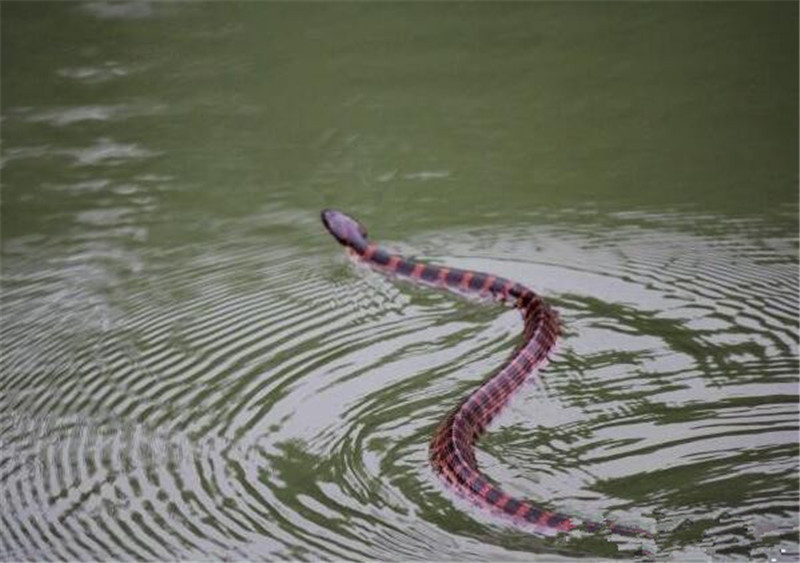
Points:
(452, 449)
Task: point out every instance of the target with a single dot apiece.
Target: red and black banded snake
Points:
(452, 449)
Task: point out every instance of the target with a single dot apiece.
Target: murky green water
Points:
(191, 369)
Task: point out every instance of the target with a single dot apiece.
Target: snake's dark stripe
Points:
(452, 449)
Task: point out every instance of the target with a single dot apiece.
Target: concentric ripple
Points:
(249, 400)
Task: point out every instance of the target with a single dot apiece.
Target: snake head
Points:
(345, 229)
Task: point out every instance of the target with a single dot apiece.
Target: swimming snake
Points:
(452, 449)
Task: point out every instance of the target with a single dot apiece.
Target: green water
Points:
(191, 369)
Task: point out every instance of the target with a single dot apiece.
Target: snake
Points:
(452, 448)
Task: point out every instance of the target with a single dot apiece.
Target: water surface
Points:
(191, 368)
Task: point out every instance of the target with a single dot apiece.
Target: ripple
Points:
(258, 397)
(104, 152)
(70, 115)
(102, 72)
(118, 10)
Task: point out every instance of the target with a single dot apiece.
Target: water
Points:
(191, 369)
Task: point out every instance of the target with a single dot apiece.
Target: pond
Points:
(193, 369)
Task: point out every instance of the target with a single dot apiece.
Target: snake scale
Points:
(452, 449)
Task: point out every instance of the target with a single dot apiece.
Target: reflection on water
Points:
(191, 369)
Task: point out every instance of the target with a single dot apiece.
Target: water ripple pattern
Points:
(259, 397)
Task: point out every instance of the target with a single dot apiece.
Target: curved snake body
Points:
(452, 449)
